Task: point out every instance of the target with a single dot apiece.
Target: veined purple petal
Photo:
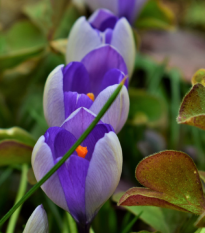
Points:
(126, 8)
(53, 104)
(103, 19)
(99, 61)
(103, 173)
(38, 221)
(118, 112)
(113, 76)
(76, 78)
(124, 43)
(97, 133)
(42, 161)
(73, 101)
(81, 40)
(79, 121)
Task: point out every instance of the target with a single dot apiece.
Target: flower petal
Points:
(76, 78)
(103, 173)
(99, 61)
(53, 99)
(118, 112)
(73, 101)
(124, 43)
(79, 121)
(42, 161)
(126, 8)
(38, 221)
(112, 5)
(103, 19)
(81, 40)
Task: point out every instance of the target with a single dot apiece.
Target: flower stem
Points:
(83, 228)
(66, 156)
(21, 192)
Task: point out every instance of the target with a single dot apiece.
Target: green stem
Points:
(21, 192)
(65, 157)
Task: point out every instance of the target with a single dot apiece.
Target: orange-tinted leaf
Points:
(199, 77)
(192, 110)
(14, 152)
(172, 180)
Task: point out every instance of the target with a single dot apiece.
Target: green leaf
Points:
(14, 152)
(155, 15)
(199, 77)
(22, 41)
(153, 216)
(171, 180)
(146, 109)
(192, 109)
(17, 134)
(200, 221)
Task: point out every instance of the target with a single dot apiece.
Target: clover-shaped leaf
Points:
(171, 180)
(192, 110)
(16, 146)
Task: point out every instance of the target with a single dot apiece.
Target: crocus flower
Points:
(89, 84)
(101, 28)
(38, 221)
(90, 175)
(122, 8)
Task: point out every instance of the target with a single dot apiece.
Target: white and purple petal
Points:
(38, 221)
(124, 43)
(53, 98)
(103, 173)
(99, 61)
(118, 112)
(81, 40)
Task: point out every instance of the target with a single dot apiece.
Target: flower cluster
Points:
(100, 53)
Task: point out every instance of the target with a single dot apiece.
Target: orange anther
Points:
(91, 96)
(81, 151)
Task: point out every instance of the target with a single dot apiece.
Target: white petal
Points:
(38, 221)
(111, 5)
(42, 162)
(118, 112)
(81, 40)
(103, 173)
(125, 43)
(53, 98)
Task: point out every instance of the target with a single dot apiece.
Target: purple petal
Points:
(118, 112)
(126, 8)
(113, 76)
(97, 133)
(103, 173)
(42, 162)
(82, 39)
(108, 36)
(124, 43)
(79, 121)
(76, 78)
(103, 19)
(53, 104)
(112, 5)
(99, 61)
(73, 101)
(38, 221)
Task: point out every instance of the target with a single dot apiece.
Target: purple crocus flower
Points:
(89, 84)
(122, 8)
(90, 175)
(101, 28)
(38, 221)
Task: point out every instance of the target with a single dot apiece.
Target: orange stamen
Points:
(91, 96)
(81, 151)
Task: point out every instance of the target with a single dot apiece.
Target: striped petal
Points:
(118, 112)
(53, 98)
(103, 173)
(81, 40)
(38, 221)
(124, 43)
